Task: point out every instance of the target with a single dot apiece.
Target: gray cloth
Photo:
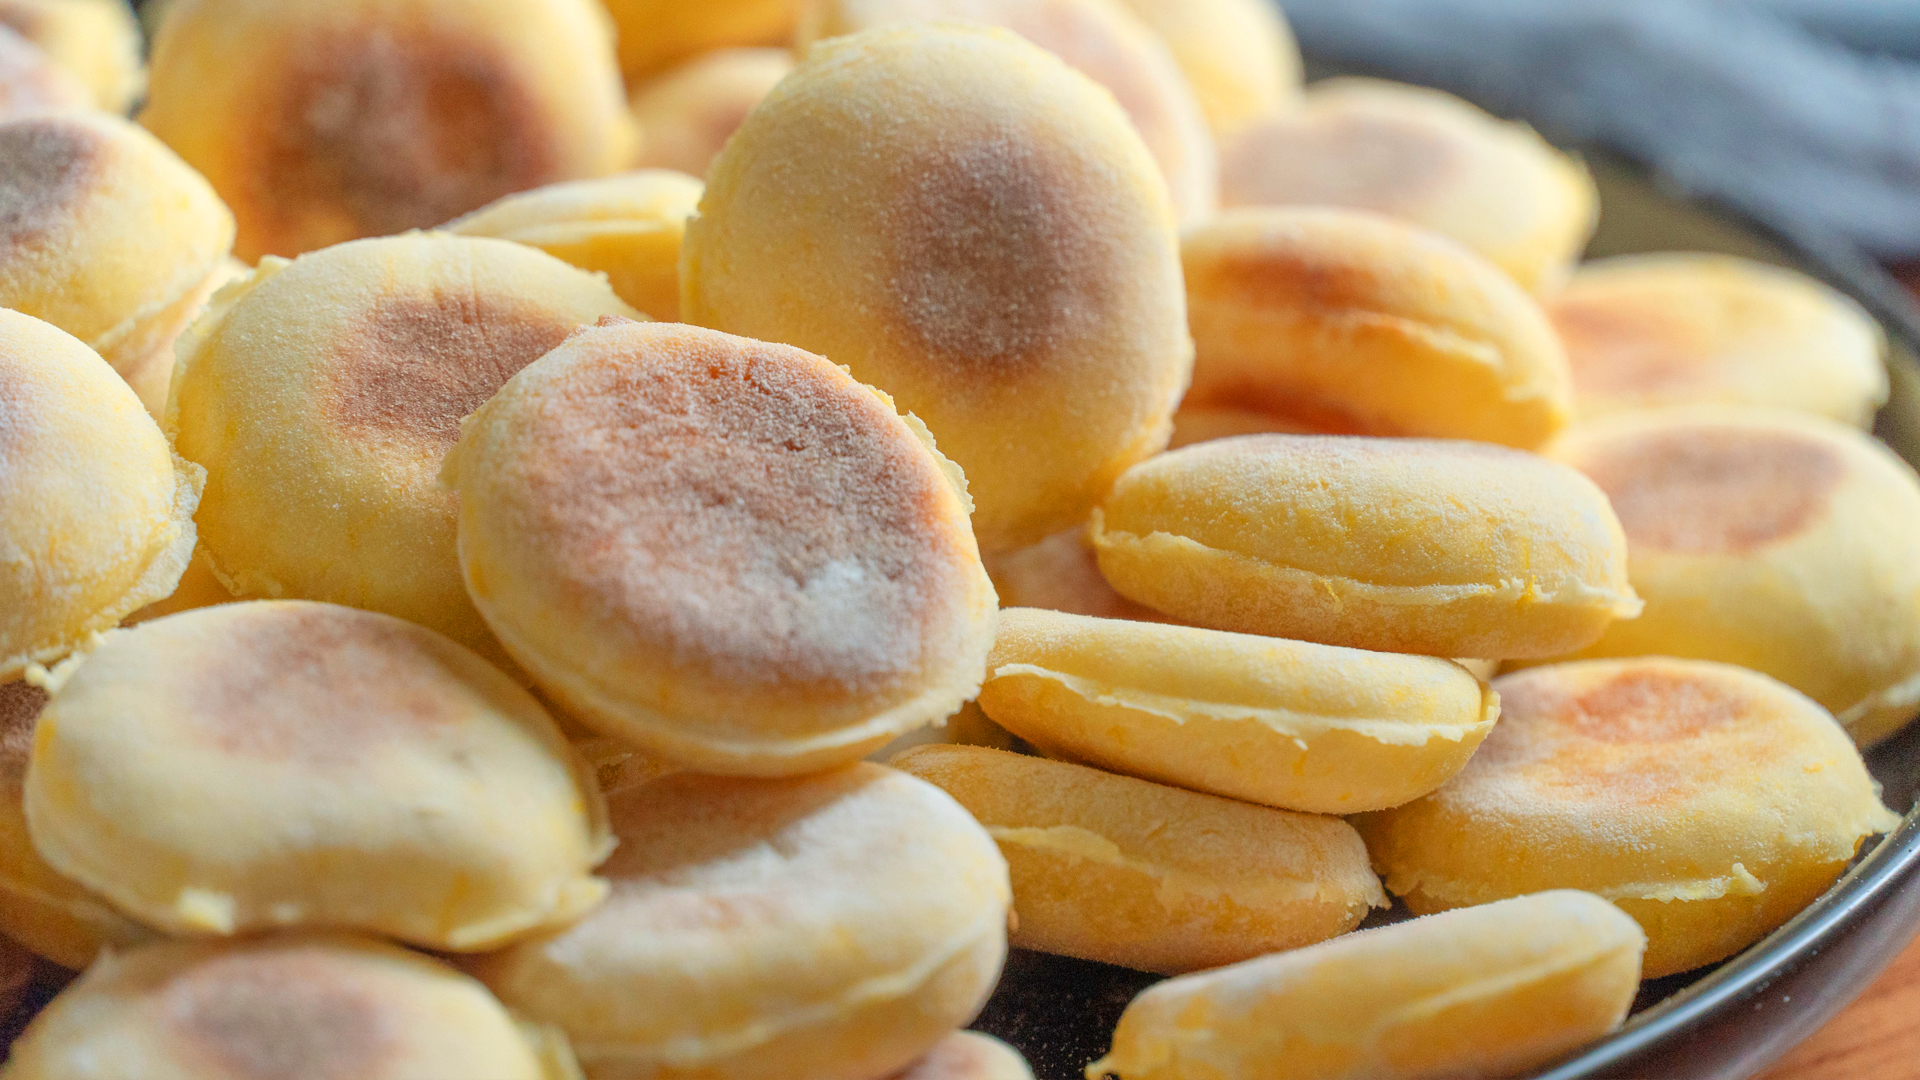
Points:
(1736, 101)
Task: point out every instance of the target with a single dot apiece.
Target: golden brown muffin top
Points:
(744, 506)
(415, 364)
(1650, 735)
(403, 130)
(1713, 490)
(310, 683)
(1616, 350)
(48, 165)
(995, 263)
(278, 1014)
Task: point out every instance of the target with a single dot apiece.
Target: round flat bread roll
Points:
(724, 551)
(372, 775)
(817, 928)
(323, 394)
(98, 41)
(1127, 872)
(628, 227)
(1709, 802)
(969, 1055)
(1393, 545)
(47, 913)
(31, 82)
(1281, 723)
(1097, 38)
(1489, 991)
(686, 115)
(1777, 541)
(655, 34)
(1682, 328)
(96, 511)
(976, 229)
(312, 1006)
(1425, 157)
(1350, 322)
(320, 123)
(1239, 55)
(109, 236)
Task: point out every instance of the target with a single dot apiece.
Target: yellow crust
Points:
(1098, 38)
(813, 928)
(1778, 541)
(1030, 269)
(687, 114)
(654, 34)
(825, 604)
(47, 913)
(114, 239)
(1128, 872)
(1645, 331)
(1353, 322)
(320, 123)
(1490, 991)
(336, 1005)
(1711, 802)
(628, 227)
(1395, 545)
(1282, 723)
(374, 776)
(97, 40)
(1239, 55)
(96, 515)
(322, 395)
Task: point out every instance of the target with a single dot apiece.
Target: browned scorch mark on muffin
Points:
(997, 263)
(416, 363)
(1615, 349)
(48, 166)
(1654, 705)
(20, 705)
(745, 508)
(1715, 490)
(317, 684)
(1282, 280)
(1648, 736)
(1365, 162)
(375, 131)
(281, 1014)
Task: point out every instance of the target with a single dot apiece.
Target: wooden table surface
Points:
(1875, 1038)
(1878, 1036)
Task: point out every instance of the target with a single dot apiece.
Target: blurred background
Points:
(1800, 112)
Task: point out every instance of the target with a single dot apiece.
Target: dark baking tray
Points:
(1720, 1023)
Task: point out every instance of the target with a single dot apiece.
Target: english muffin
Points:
(724, 551)
(1709, 802)
(975, 228)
